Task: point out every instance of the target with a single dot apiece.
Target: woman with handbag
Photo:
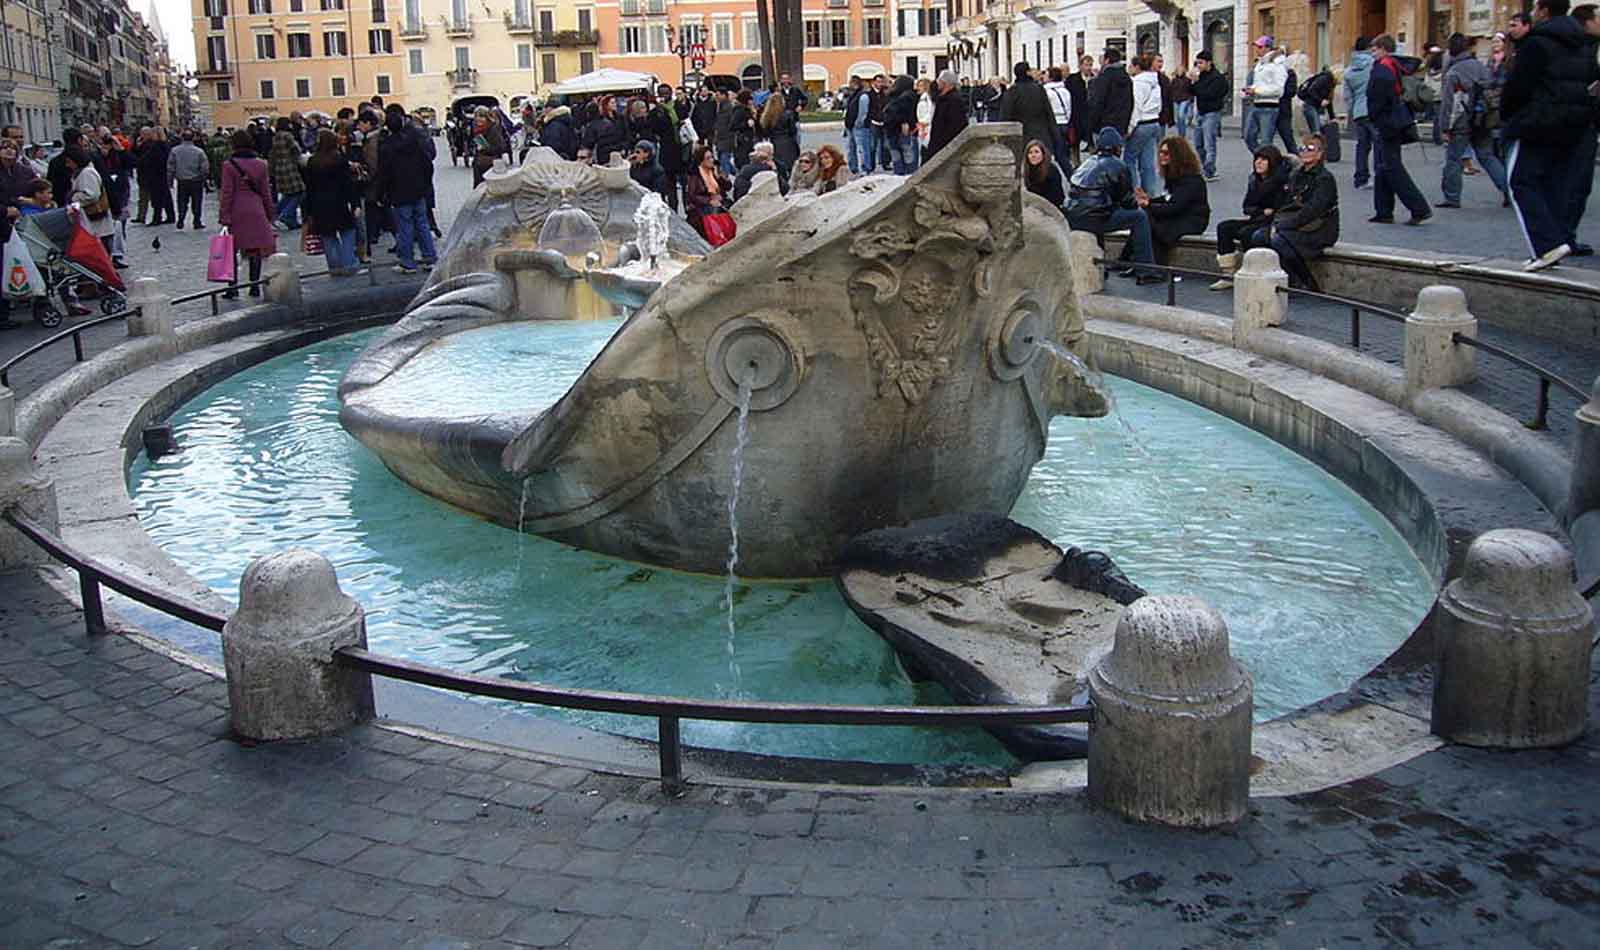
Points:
(89, 194)
(330, 191)
(705, 190)
(246, 209)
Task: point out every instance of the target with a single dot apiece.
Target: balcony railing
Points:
(218, 67)
(566, 38)
(453, 27)
(413, 30)
(466, 78)
(519, 23)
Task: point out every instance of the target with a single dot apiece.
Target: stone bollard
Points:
(1170, 740)
(1087, 277)
(155, 316)
(283, 281)
(1256, 300)
(278, 649)
(1512, 640)
(1431, 359)
(33, 494)
(8, 412)
(1584, 496)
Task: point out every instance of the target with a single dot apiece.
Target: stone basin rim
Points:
(173, 391)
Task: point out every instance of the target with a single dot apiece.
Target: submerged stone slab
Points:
(992, 611)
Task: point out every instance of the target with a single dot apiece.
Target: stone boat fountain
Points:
(887, 340)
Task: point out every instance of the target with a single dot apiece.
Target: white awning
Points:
(815, 73)
(867, 69)
(603, 80)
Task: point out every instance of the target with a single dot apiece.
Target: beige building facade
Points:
(454, 48)
(273, 57)
(29, 96)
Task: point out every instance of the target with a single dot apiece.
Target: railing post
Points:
(283, 281)
(154, 315)
(94, 612)
(283, 682)
(1087, 277)
(1584, 495)
(8, 412)
(33, 494)
(1257, 301)
(671, 749)
(1512, 646)
(1170, 738)
(1433, 359)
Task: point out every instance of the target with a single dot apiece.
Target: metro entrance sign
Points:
(697, 56)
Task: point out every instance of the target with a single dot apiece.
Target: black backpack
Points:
(1314, 91)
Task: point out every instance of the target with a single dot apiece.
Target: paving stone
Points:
(544, 929)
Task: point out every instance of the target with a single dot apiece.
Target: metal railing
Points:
(76, 335)
(1172, 275)
(217, 293)
(1357, 307)
(1547, 378)
(668, 711)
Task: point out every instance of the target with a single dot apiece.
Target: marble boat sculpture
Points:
(887, 335)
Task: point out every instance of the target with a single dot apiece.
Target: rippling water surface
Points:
(1315, 585)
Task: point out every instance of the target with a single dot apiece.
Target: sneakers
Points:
(1548, 259)
(403, 269)
(1417, 219)
(1213, 177)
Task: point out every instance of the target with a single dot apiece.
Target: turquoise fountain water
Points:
(1315, 585)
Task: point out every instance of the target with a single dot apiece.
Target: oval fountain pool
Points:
(1316, 586)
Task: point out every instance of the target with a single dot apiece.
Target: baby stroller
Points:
(67, 258)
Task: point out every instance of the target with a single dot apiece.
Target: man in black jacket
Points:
(1100, 198)
(900, 125)
(1110, 102)
(405, 175)
(1393, 121)
(949, 113)
(1027, 103)
(1078, 88)
(1547, 107)
(1211, 92)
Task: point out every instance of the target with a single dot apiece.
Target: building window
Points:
(224, 92)
(585, 20)
(912, 65)
(463, 57)
(524, 56)
(547, 21)
(269, 89)
(335, 43)
(752, 34)
(379, 14)
(585, 63)
(458, 11)
(840, 33)
(547, 67)
(217, 53)
(297, 6)
(302, 89)
(414, 61)
(384, 86)
(336, 86)
(632, 39)
(874, 30)
(266, 46)
(723, 29)
(935, 22)
(813, 34)
(380, 41)
(214, 8)
(332, 5)
(259, 7)
(655, 38)
(299, 45)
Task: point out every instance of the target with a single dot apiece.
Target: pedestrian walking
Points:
(1583, 183)
(1181, 87)
(1146, 127)
(247, 209)
(405, 175)
(1061, 110)
(189, 167)
(155, 190)
(1211, 92)
(1466, 115)
(330, 193)
(287, 181)
(1396, 126)
(949, 113)
(1077, 85)
(1357, 74)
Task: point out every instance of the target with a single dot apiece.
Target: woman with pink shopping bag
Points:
(247, 209)
(220, 265)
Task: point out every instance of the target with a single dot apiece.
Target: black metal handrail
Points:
(1172, 274)
(1546, 378)
(77, 342)
(666, 710)
(215, 293)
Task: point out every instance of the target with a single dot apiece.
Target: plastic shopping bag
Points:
(220, 263)
(22, 275)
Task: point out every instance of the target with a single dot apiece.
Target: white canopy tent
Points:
(603, 80)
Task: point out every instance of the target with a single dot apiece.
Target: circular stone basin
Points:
(1316, 586)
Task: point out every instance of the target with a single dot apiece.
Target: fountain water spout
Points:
(741, 440)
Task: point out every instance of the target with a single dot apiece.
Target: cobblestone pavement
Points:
(128, 818)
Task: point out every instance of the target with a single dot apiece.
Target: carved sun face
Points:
(546, 186)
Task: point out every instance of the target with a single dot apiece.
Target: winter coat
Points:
(1165, 83)
(650, 176)
(1270, 78)
(1027, 103)
(1264, 194)
(742, 125)
(153, 164)
(1051, 188)
(1309, 216)
(246, 208)
(491, 148)
(285, 164)
(1356, 77)
(747, 176)
(1211, 92)
(330, 189)
(785, 138)
(405, 174)
(723, 135)
(900, 111)
(603, 136)
(116, 172)
(697, 199)
(1467, 71)
(1386, 106)
(1291, 83)
(1110, 100)
(1184, 209)
(1079, 90)
(822, 186)
(87, 188)
(558, 136)
(1182, 87)
(188, 162)
(664, 130)
(1546, 99)
(1101, 185)
(949, 118)
(703, 116)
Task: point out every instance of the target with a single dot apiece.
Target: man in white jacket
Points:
(1265, 91)
(1144, 133)
(1061, 104)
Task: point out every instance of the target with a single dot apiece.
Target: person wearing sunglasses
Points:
(1307, 223)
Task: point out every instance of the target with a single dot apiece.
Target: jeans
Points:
(1391, 180)
(190, 194)
(1204, 136)
(1063, 150)
(1541, 182)
(1312, 116)
(1138, 225)
(1366, 137)
(725, 162)
(904, 149)
(858, 143)
(1286, 130)
(411, 230)
(289, 209)
(339, 250)
(1582, 181)
(1140, 157)
(1183, 115)
(1259, 126)
(1456, 150)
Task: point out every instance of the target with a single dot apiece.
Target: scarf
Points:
(710, 178)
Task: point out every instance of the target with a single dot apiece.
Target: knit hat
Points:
(1108, 140)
